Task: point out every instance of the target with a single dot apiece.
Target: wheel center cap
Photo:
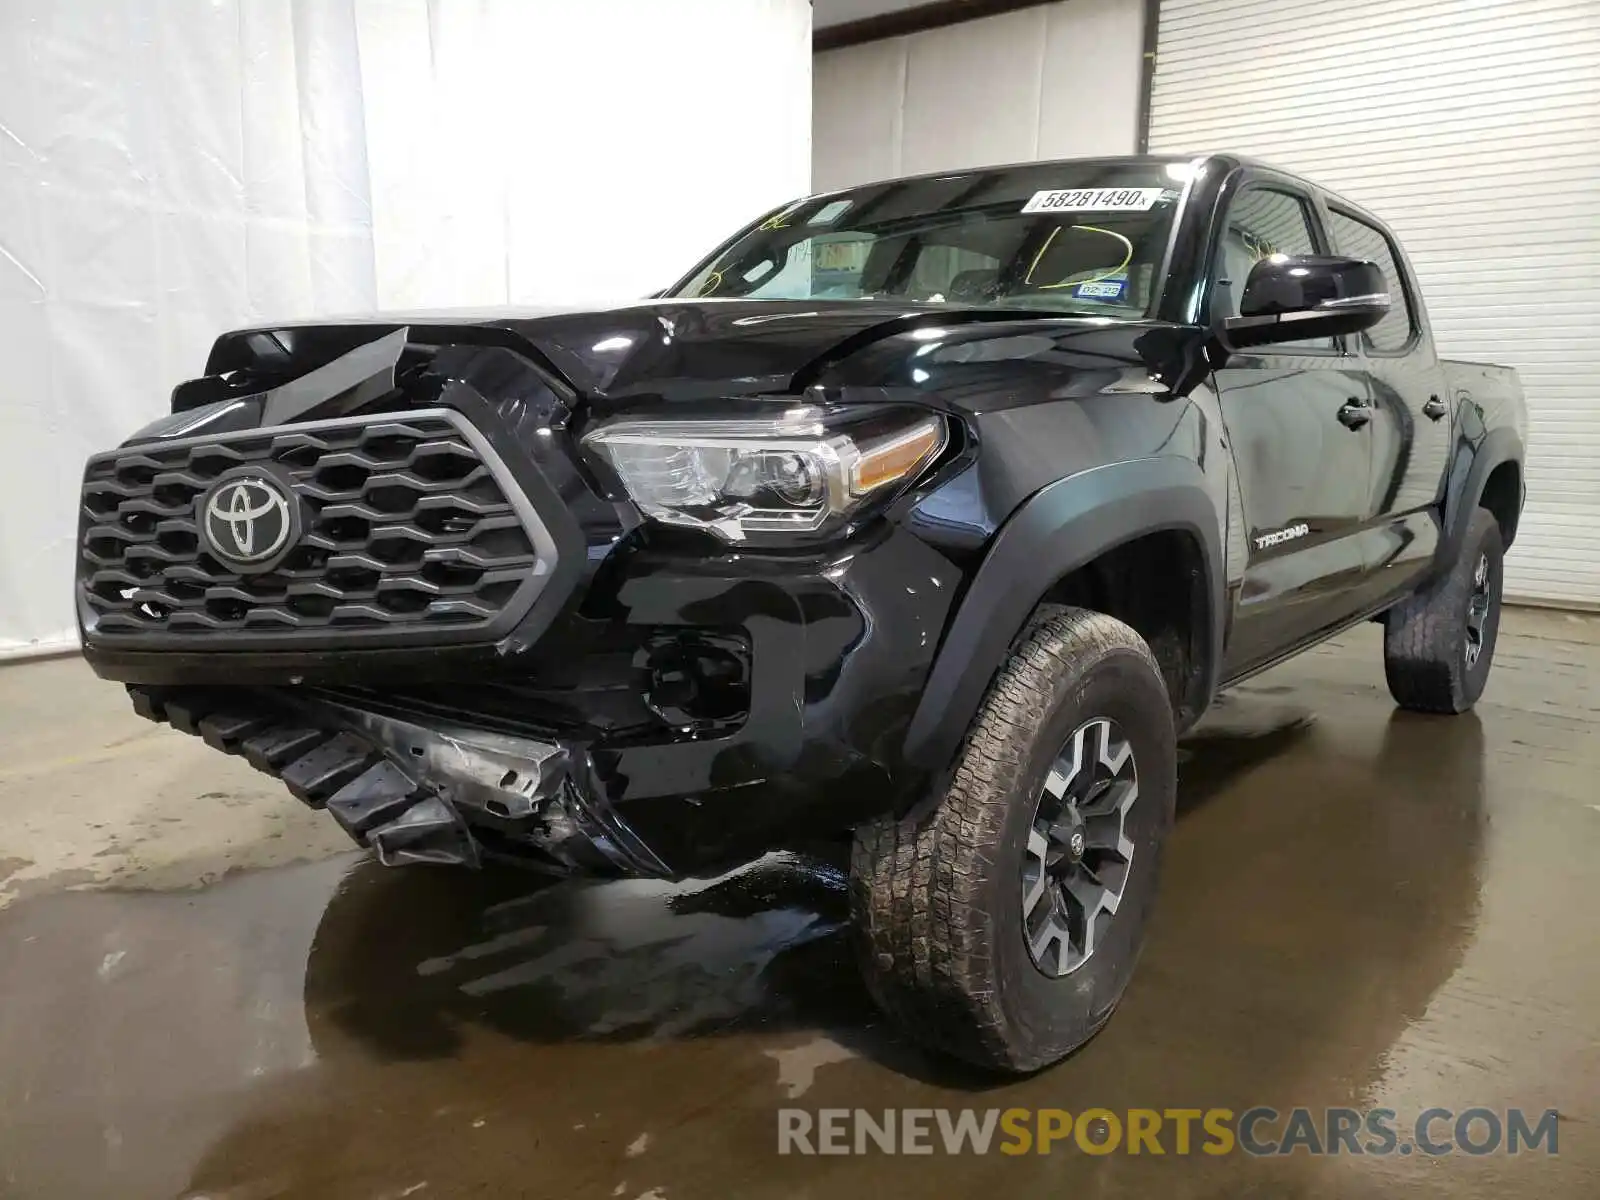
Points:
(1068, 834)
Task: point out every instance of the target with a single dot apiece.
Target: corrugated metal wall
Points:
(1473, 127)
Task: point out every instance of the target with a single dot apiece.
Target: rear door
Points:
(1298, 418)
(1410, 428)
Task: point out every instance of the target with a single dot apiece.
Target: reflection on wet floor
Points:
(617, 961)
(1360, 907)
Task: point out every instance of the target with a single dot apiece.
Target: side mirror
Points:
(1308, 296)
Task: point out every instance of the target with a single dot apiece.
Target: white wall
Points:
(171, 170)
(1057, 81)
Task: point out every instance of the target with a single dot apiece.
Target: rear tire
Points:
(978, 919)
(1439, 644)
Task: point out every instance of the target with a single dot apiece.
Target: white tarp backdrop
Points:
(171, 170)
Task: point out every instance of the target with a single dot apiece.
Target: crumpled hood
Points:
(683, 348)
(692, 350)
(679, 349)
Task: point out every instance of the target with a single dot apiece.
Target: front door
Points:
(1297, 418)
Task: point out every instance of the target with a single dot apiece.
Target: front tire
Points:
(1001, 924)
(1438, 645)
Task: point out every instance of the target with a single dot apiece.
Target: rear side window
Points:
(1357, 239)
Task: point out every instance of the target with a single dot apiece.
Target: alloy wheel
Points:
(1478, 605)
(1079, 853)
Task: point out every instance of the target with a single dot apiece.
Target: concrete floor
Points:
(207, 994)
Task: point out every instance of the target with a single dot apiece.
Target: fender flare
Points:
(1469, 472)
(1057, 530)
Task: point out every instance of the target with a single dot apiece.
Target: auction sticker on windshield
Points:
(1094, 200)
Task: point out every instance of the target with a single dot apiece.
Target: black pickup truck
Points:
(926, 514)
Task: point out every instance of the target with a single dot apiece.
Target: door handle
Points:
(1435, 408)
(1353, 413)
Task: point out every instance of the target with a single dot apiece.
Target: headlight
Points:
(790, 474)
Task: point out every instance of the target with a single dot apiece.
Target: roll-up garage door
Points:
(1473, 127)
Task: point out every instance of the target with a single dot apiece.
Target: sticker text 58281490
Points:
(1093, 200)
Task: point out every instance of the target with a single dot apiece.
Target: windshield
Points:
(1086, 237)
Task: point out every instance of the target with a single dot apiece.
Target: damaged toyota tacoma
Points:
(923, 515)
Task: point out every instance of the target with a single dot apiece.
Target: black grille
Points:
(408, 527)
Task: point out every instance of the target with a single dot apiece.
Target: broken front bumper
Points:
(413, 792)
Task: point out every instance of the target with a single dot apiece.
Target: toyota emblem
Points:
(249, 520)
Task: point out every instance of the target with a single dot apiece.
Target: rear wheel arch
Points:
(1502, 496)
(1488, 475)
(1086, 541)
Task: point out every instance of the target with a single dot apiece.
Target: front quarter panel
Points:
(1064, 527)
(1085, 437)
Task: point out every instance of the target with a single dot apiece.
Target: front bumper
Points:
(581, 761)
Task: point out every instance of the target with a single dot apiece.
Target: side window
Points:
(1261, 222)
(1356, 239)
